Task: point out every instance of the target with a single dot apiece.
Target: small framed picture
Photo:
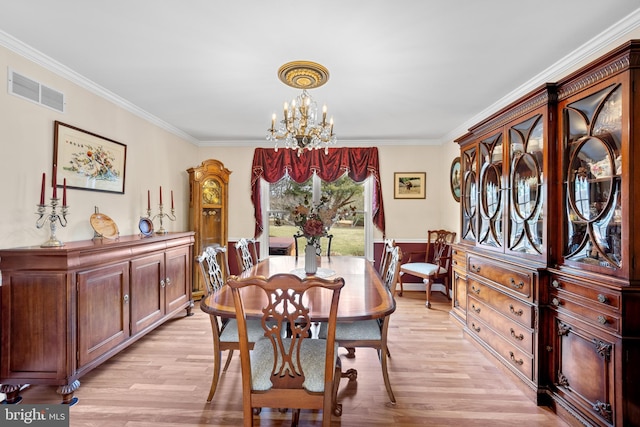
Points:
(88, 161)
(455, 178)
(409, 185)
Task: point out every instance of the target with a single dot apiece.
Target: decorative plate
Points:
(146, 226)
(104, 226)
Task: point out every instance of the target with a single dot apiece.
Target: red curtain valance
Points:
(358, 162)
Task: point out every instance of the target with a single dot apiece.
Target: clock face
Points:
(211, 193)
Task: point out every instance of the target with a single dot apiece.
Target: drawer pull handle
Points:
(162, 283)
(517, 337)
(476, 290)
(168, 281)
(513, 359)
(475, 269)
(126, 298)
(556, 302)
(455, 262)
(475, 328)
(476, 309)
(602, 320)
(519, 285)
(513, 311)
(555, 284)
(602, 299)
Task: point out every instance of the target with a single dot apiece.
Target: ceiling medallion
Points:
(303, 74)
(301, 128)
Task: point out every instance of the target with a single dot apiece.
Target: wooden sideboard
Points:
(67, 310)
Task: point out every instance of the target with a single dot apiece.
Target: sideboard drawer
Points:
(509, 277)
(510, 307)
(512, 331)
(510, 353)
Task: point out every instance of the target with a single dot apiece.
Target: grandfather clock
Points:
(208, 207)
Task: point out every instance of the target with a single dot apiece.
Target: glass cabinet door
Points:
(526, 157)
(469, 197)
(592, 137)
(491, 191)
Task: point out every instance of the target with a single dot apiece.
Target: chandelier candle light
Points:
(52, 217)
(301, 128)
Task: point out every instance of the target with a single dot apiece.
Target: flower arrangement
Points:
(315, 220)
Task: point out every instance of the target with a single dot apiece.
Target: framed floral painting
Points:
(409, 185)
(88, 161)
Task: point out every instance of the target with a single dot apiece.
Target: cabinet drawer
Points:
(601, 297)
(511, 354)
(509, 306)
(459, 259)
(509, 277)
(587, 311)
(510, 330)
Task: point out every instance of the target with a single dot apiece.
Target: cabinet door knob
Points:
(556, 302)
(168, 281)
(162, 283)
(126, 298)
(602, 298)
(555, 284)
(602, 320)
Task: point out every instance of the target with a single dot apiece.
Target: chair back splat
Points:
(432, 264)
(246, 254)
(287, 368)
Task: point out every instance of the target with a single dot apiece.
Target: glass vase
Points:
(310, 259)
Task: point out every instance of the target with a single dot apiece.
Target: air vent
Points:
(32, 90)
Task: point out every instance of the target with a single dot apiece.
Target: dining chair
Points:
(288, 370)
(432, 264)
(371, 333)
(389, 244)
(213, 263)
(246, 254)
(299, 235)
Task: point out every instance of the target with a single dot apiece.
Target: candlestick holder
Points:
(160, 216)
(53, 218)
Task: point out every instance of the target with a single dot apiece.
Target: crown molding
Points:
(61, 70)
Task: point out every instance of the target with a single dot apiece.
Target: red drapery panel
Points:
(358, 162)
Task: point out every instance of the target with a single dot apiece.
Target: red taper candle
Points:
(148, 200)
(171, 199)
(55, 184)
(42, 189)
(64, 192)
(161, 194)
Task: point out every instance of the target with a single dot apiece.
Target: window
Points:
(352, 233)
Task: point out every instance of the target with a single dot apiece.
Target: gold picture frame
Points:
(88, 161)
(409, 185)
(454, 179)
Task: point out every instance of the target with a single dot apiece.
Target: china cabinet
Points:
(503, 249)
(549, 212)
(593, 293)
(208, 209)
(67, 310)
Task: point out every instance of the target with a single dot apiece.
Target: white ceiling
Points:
(404, 71)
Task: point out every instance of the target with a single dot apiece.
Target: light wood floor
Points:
(438, 377)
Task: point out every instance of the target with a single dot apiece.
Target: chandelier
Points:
(301, 128)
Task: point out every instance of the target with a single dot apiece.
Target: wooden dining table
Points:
(364, 295)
